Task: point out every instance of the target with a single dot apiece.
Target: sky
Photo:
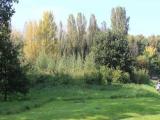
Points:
(144, 14)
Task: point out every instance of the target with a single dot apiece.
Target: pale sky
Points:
(144, 14)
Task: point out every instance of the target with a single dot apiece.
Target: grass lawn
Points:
(130, 102)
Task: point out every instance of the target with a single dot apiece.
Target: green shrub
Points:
(52, 66)
(117, 75)
(89, 64)
(46, 63)
(69, 65)
(42, 61)
(62, 79)
(106, 75)
(140, 76)
(93, 78)
(64, 69)
(125, 78)
(41, 79)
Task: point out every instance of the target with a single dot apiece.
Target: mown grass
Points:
(128, 101)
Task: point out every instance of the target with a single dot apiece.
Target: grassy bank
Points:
(84, 102)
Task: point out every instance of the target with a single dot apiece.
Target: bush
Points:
(89, 63)
(120, 76)
(154, 66)
(52, 66)
(62, 79)
(41, 79)
(106, 75)
(110, 75)
(56, 79)
(142, 61)
(117, 75)
(46, 63)
(93, 78)
(42, 61)
(65, 69)
(140, 76)
(125, 78)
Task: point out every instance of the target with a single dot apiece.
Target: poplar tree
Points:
(31, 44)
(72, 35)
(92, 29)
(119, 21)
(81, 28)
(112, 48)
(61, 39)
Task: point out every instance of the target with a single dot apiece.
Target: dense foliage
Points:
(82, 52)
(113, 51)
(77, 54)
(12, 78)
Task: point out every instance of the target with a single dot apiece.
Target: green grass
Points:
(135, 102)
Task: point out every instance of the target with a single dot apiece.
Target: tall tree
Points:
(142, 42)
(112, 51)
(120, 21)
(47, 27)
(61, 39)
(30, 31)
(81, 29)
(60, 31)
(103, 26)
(11, 75)
(72, 35)
(133, 47)
(112, 48)
(47, 30)
(92, 29)
(31, 43)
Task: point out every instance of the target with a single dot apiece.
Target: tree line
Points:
(78, 39)
(103, 54)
